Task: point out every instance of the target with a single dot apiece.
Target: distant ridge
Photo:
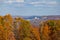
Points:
(40, 17)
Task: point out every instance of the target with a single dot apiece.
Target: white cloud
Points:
(19, 0)
(52, 3)
(41, 3)
(12, 1)
(18, 5)
(37, 2)
(8, 1)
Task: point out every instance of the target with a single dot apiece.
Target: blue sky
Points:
(30, 7)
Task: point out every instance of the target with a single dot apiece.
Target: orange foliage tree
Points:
(49, 30)
(6, 27)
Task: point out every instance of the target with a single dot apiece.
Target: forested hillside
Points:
(20, 29)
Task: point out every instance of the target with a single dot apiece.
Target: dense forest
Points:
(19, 29)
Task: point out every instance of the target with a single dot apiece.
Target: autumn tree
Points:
(25, 30)
(49, 30)
(6, 27)
(43, 30)
(1, 29)
(53, 33)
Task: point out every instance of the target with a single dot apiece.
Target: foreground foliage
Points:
(20, 29)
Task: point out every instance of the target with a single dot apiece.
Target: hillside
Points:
(38, 28)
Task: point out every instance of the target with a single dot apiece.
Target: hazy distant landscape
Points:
(40, 17)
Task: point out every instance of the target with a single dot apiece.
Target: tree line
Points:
(19, 29)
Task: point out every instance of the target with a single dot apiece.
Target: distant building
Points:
(36, 18)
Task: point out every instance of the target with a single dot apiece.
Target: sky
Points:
(30, 7)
